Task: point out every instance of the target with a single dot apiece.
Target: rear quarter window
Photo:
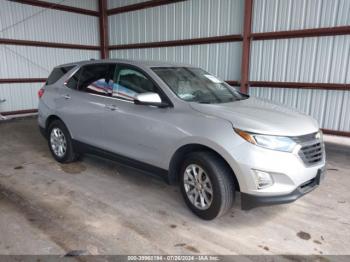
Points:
(57, 73)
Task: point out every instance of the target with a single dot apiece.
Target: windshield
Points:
(196, 85)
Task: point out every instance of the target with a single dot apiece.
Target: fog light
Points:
(262, 179)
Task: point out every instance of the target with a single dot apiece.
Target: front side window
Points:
(129, 82)
(96, 79)
(196, 85)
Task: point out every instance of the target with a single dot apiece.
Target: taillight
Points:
(41, 92)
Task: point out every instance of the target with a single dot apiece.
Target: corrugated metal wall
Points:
(315, 59)
(25, 22)
(21, 21)
(283, 15)
(182, 20)
(215, 58)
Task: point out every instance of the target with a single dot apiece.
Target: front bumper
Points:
(249, 201)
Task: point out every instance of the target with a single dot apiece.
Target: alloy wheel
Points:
(198, 187)
(58, 142)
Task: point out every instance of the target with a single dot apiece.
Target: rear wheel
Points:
(207, 185)
(60, 142)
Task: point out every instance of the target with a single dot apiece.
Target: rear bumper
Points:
(249, 201)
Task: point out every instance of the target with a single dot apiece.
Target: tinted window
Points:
(73, 81)
(129, 82)
(96, 79)
(57, 73)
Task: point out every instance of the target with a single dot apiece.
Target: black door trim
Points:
(81, 147)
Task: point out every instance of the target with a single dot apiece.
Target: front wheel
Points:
(207, 185)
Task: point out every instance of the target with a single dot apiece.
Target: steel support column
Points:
(103, 20)
(248, 7)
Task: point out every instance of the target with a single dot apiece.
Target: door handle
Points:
(66, 96)
(111, 107)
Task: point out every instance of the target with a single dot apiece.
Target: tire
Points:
(221, 181)
(69, 155)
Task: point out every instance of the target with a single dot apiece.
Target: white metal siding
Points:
(21, 21)
(19, 96)
(85, 4)
(182, 20)
(316, 59)
(281, 15)
(37, 62)
(25, 22)
(31, 62)
(331, 108)
(120, 3)
(223, 60)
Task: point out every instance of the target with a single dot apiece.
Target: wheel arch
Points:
(180, 155)
(50, 119)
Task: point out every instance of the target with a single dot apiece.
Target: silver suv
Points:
(186, 124)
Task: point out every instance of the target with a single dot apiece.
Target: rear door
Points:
(84, 102)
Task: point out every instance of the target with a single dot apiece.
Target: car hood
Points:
(260, 116)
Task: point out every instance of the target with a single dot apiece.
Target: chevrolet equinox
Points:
(186, 124)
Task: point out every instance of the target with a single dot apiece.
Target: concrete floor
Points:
(99, 207)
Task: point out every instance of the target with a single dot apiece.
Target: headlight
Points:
(280, 143)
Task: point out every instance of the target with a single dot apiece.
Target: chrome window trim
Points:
(114, 98)
(70, 75)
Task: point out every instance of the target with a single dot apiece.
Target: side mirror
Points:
(150, 99)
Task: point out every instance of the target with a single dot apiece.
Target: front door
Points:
(136, 131)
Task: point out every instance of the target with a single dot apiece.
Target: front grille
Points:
(311, 151)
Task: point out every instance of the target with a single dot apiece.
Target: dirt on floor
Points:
(96, 206)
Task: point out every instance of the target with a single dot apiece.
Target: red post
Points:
(248, 7)
(103, 19)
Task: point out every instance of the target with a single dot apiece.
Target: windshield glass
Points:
(196, 85)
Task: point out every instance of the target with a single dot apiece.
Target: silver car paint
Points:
(152, 135)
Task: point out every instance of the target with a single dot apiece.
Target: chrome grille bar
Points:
(311, 150)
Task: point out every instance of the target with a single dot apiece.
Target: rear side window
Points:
(57, 73)
(73, 81)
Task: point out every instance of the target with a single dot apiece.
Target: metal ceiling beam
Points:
(314, 32)
(58, 7)
(300, 85)
(21, 80)
(183, 42)
(6, 41)
(139, 6)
